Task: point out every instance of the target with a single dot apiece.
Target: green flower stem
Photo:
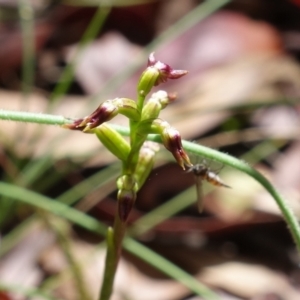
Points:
(133, 156)
(114, 240)
(127, 192)
(110, 266)
(116, 235)
(140, 102)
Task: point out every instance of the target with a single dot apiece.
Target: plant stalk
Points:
(114, 240)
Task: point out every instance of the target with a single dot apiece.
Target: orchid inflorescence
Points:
(137, 155)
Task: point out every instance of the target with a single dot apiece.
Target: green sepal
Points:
(151, 109)
(171, 139)
(145, 162)
(128, 108)
(147, 81)
(155, 104)
(113, 141)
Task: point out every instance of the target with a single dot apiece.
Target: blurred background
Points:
(241, 96)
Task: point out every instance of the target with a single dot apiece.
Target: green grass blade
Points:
(28, 292)
(91, 32)
(93, 225)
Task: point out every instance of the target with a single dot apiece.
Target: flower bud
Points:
(172, 141)
(126, 195)
(113, 141)
(147, 81)
(155, 104)
(145, 162)
(156, 73)
(127, 107)
(164, 98)
(165, 71)
(105, 112)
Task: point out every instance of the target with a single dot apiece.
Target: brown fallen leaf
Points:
(249, 280)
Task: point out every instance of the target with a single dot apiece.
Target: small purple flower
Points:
(156, 73)
(105, 112)
(172, 141)
(165, 71)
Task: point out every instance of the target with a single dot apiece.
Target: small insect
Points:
(203, 172)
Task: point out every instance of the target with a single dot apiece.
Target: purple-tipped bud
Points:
(105, 112)
(126, 200)
(155, 104)
(147, 81)
(145, 162)
(163, 98)
(157, 72)
(165, 71)
(127, 186)
(169, 98)
(172, 141)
